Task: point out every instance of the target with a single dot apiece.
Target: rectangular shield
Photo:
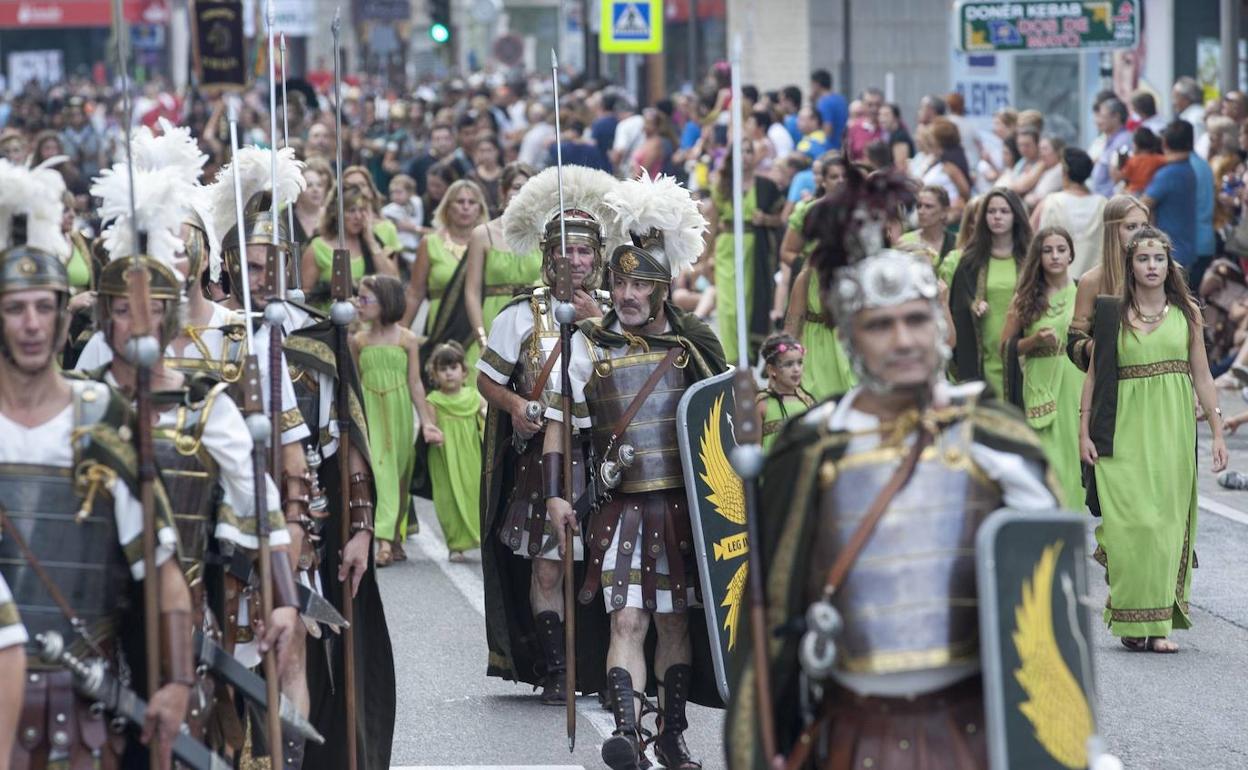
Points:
(704, 428)
(1037, 663)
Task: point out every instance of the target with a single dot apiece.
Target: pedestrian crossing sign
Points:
(631, 26)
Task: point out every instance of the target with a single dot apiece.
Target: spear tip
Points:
(554, 59)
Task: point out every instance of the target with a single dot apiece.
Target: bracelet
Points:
(179, 659)
(552, 475)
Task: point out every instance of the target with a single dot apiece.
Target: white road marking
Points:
(486, 767)
(1223, 510)
(466, 577)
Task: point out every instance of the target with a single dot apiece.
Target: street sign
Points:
(999, 26)
(631, 26)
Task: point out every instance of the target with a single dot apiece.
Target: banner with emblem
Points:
(217, 42)
(704, 432)
(1037, 663)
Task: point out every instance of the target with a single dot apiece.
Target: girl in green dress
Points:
(436, 274)
(455, 460)
(388, 359)
(368, 255)
(761, 204)
(493, 275)
(1138, 431)
(828, 371)
(983, 288)
(784, 398)
(1035, 331)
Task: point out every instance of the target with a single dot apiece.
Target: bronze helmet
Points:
(578, 227)
(24, 267)
(164, 285)
(258, 219)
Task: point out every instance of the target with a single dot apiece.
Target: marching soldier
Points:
(73, 521)
(867, 497)
(628, 372)
(523, 574)
(201, 442)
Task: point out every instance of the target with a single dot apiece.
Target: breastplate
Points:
(226, 366)
(82, 557)
(191, 478)
(652, 432)
(909, 602)
(538, 346)
(308, 398)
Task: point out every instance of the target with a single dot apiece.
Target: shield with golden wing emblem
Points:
(717, 513)
(1037, 663)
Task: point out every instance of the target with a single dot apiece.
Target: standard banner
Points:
(217, 45)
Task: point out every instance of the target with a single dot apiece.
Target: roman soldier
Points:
(73, 520)
(201, 442)
(520, 560)
(871, 496)
(628, 372)
(310, 369)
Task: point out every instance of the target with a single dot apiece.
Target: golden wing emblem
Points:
(727, 491)
(727, 496)
(1056, 705)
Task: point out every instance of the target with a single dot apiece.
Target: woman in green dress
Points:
(1035, 331)
(437, 274)
(932, 210)
(455, 459)
(493, 275)
(382, 228)
(761, 204)
(785, 398)
(387, 357)
(1138, 431)
(368, 255)
(983, 288)
(827, 371)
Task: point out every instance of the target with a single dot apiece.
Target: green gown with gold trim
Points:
(1147, 489)
(388, 409)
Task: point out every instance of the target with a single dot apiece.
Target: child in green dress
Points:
(455, 461)
(387, 357)
(784, 359)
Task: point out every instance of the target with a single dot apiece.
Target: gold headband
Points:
(1155, 243)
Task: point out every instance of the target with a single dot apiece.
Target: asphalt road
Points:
(1156, 711)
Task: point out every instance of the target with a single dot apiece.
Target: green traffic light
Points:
(439, 33)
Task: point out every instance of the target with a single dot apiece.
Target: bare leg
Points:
(673, 646)
(545, 592)
(628, 639)
(12, 682)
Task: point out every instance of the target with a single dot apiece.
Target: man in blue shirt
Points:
(1171, 195)
(814, 141)
(790, 105)
(832, 109)
(1206, 243)
(1111, 119)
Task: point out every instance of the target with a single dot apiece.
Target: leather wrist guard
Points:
(179, 658)
(552, 475)
(284, 594)
(361, 503)
(297, 498)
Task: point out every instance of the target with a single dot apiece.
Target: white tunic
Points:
(12, 631)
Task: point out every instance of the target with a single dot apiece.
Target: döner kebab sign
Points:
(1044, 26)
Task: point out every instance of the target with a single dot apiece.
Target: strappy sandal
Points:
(385, 557)
(1147, 644)
(396, 549)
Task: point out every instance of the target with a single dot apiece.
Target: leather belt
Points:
(506, 289)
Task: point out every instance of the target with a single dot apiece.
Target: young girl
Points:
(784, 359)
(455, 460)
(1035, 330)
(388, 358)
(1139, 432)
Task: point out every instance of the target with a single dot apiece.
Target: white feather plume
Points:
(38, 194)
(162, 202)
(253, 164)
(537, 203)
(174, 149)
(643, 204)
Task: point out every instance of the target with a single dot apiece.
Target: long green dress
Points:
(726, 268)
(455, 467)
(1147, 490)
(999, 291)
(1052, 386)
(780, 409)
(828, 371)
(388, 409)
(507, 274)
(944, 266)
(444, 259)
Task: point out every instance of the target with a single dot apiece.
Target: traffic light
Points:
(440, 21)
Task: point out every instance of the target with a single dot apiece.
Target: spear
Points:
(747, 457)
(295, 294)
(565, 314)
(143, 351)
(261, 433)
(274, 311)
(342, 313)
